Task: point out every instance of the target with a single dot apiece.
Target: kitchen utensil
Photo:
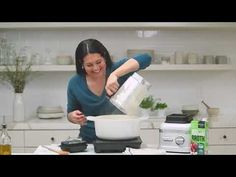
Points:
(60, 152)
(221, 59)
(73, 145)
(213, 112)
(64, 60)
(206, 105)
(131, 94)
(117, 127)
(49, 109)
(175, 137)
(50, 115)
(104, 146)
(133, 52)
(190, 109)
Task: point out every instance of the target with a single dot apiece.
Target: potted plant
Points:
(160, 107)
(17, 75)
(146, 105)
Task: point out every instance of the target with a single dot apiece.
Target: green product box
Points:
(199, 137)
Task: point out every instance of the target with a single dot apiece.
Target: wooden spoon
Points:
(208, 107)
(60, 152)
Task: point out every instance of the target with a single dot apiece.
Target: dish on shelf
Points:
(49, 109)
(50, 116)
(133, 52)
(64, 60)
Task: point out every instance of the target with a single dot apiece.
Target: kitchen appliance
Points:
(116, 132)
(116, 127)
(106, 146)
(175, 133)
(73, 145)
(131, 94)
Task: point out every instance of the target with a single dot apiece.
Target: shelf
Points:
(53, 68)
(118, 25)
(157, 67)
(189, 67)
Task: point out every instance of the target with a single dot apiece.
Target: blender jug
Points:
(131, 94)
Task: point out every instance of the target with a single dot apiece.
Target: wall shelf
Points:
(118, 25)
(191, 67)
(156, 67)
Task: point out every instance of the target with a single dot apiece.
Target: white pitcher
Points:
(131, 94)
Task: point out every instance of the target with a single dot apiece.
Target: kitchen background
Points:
(176, 88)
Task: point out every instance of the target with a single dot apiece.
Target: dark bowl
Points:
(191, 112)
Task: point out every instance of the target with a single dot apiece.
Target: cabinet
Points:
(28, 138)
(149, 131)
(34, 138)
(17, 137)
(222, 140)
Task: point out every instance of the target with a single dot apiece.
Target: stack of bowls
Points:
(190, 109)
(50, 112)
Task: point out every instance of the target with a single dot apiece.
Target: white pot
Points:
(161, 113)
(18, 108)
(116, 127)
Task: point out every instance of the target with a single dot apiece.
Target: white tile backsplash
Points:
(175, 87)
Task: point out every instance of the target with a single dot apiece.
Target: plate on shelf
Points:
(50, 116)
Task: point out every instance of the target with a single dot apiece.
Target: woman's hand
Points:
(77, 117)
(112, 85)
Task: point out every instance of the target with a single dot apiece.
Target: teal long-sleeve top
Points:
(79, 97)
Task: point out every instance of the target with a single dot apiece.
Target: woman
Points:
(97, 76)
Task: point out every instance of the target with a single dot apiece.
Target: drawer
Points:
(150, 137)
(222, 149)
(18, 150)
(222, 136)
(17, 138)
(34, 138)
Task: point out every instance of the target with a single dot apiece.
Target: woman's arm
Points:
(131, 65)
(76, 117)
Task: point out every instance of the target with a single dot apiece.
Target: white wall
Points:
(175, 87)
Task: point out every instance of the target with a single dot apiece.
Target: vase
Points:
(18, 108)
(161, 113)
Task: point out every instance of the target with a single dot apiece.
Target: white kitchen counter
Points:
(63, 123)
(90, 151)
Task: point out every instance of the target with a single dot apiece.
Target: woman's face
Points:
(94, 65)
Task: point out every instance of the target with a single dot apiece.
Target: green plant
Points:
(159, 105)
(17, 75)
(147, 102)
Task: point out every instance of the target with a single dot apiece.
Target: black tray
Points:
(179, 118)
(73, 145)
(113, 146)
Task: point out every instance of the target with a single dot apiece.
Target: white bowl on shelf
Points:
(64, 60)
(50, 109)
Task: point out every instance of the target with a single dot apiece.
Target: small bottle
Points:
(5, 140)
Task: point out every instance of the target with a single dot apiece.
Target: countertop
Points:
(63, 123)
(144, 150)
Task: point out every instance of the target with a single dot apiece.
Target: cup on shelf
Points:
(208, 59)
(165, 60)
(192, 58)
(221, 59)
(179, 57)
(64, 60)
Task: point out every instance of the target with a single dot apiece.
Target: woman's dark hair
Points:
(89, 46)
